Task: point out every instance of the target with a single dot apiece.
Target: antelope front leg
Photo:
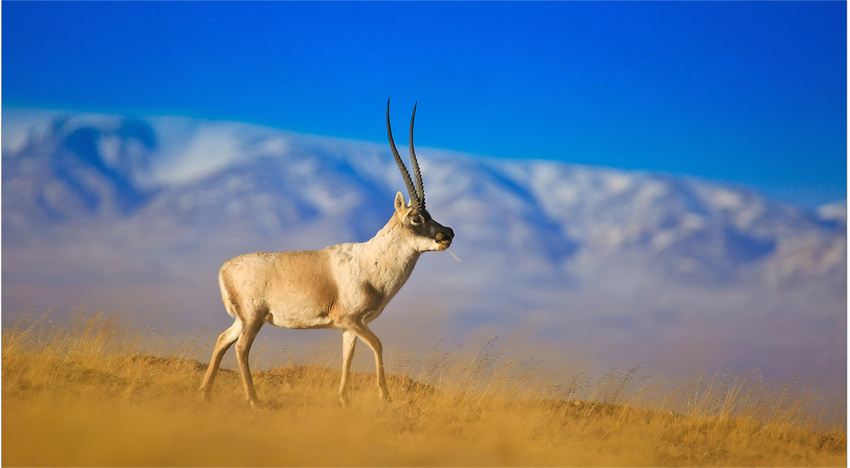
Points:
(349, 339)
(364, 333)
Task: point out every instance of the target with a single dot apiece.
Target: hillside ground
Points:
(92, 393)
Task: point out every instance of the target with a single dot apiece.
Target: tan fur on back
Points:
(296, 288)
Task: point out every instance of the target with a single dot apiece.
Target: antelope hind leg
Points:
(243, 348)
(225, 340)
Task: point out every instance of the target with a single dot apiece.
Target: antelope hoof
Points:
(255, 405)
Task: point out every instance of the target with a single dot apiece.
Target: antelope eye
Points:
(416, 220)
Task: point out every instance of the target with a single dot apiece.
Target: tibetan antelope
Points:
(343, 286)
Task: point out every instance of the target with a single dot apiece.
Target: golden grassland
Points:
(92, 393)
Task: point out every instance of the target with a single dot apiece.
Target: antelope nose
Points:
(448, 234)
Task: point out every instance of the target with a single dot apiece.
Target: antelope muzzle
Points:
(444, 236)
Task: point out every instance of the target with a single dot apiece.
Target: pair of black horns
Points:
(415, 192)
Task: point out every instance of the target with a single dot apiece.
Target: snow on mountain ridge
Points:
(209, 174)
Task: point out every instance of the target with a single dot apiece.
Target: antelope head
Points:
(421, 230)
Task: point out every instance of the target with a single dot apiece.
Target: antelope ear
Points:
(400, 206)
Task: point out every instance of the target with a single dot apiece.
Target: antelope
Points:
(344, 286)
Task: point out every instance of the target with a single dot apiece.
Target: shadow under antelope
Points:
(343, 286)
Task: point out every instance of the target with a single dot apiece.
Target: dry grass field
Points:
(90, 392)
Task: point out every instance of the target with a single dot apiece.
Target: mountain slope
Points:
(565, 256)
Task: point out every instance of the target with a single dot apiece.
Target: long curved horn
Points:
(411, 190)
(416, 175)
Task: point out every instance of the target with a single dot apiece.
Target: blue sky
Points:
(745, 92)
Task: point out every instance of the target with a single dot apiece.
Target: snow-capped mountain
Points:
(91, 202)
(264, 184)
